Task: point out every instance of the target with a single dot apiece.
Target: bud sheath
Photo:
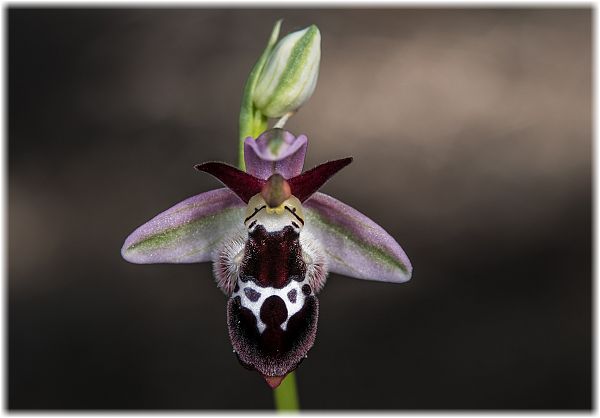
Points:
(290, 74)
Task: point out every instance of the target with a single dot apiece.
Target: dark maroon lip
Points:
(274, 352)
(273, 259)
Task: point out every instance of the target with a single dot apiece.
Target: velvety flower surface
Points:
(272, 238)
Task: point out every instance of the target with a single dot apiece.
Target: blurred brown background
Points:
(471, 132)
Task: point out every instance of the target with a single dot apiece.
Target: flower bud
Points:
(289, 76)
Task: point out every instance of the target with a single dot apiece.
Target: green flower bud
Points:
(289, 76)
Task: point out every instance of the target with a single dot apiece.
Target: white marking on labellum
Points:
(251, 289)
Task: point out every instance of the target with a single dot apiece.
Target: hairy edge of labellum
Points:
(272, 366)
(316, 262)
(228, 259)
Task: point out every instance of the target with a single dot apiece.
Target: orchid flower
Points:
(272, 239)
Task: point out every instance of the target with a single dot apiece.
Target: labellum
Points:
(275, 271)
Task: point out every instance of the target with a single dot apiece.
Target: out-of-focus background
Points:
(471, 132)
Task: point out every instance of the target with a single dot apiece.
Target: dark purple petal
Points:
(355, 246)
(304, 185)
(242, 184)
(188, 232)
(275, 151)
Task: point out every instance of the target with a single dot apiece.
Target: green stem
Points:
(286, 395)
(252, 122)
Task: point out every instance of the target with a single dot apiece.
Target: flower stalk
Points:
(252, 122)
(286, 395)
(283, 120)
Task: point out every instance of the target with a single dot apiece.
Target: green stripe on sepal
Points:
(188, 232)
(355, 245)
